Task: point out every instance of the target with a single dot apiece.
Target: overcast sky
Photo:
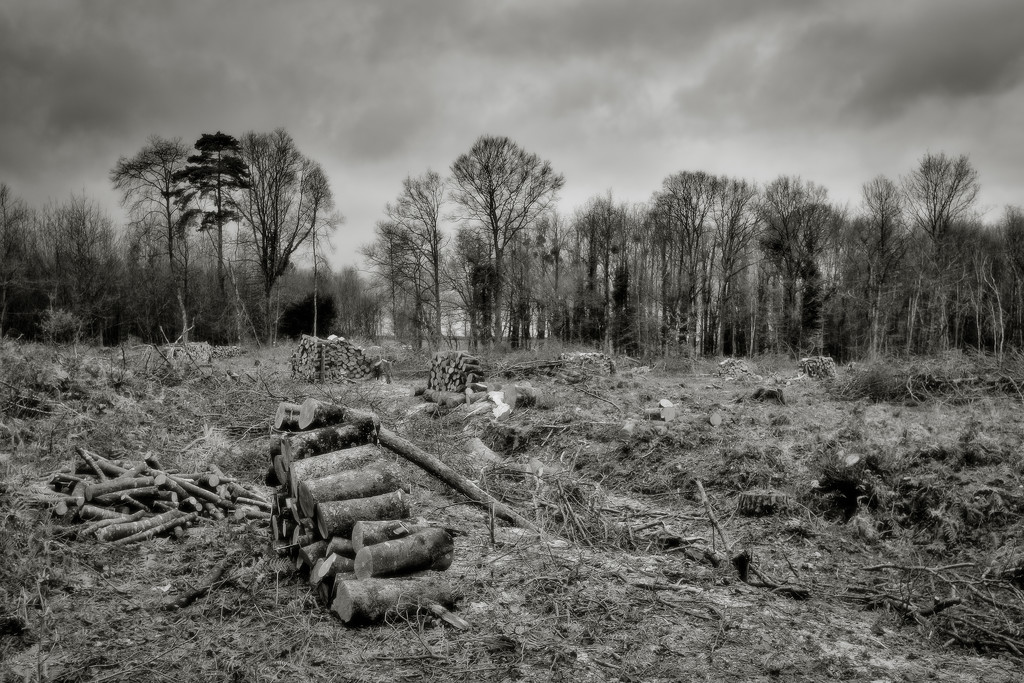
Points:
(616, 95)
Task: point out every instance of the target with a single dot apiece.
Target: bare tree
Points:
(939, 193)
(880, 241)
(800, 225)
(735, 217)
(417, 212)
(287, 202)
(149, 183)
(15, 219)
(503, 189)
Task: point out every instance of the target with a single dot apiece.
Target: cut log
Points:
(370, 600)
(119, 497)
(116, 531)
(331, 565)
(166, 526)
(445, 399)
(329, 463)
(361, 483)
(287, 416)
(367, 532)
(449, 476)
(336, 518)
(339, 545)
(309, 554)
(316, 413)
(119, 484)
(303, 445)
(426, 549)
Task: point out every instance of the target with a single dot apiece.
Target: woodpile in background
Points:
(342, 514)
(127, 502)
(736, 368)
(588, 362)
(323, 360)
(453, 370)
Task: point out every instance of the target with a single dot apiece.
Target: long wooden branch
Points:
(449, 476)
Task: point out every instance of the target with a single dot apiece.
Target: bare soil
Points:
(895, 558)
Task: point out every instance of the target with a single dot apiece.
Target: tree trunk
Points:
(314, 413)
(427, 549)
(324, 440)
(329, 463)
(370, 600)
(449, 476)
(336, 518)
(344, 486)
(366, 533)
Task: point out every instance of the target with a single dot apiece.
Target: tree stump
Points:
(758, 502)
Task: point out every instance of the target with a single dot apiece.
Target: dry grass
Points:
(622, 590)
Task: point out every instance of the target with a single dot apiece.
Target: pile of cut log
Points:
(453, 371)
(736, 368)
(126, 502)
(590, 361)
(323, 360)
(343, 516)
(492, 397)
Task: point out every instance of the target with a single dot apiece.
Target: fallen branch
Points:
(207, 583)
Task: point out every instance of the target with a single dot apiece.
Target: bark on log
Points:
(427, 549)
(150, 533)
(336, 518)
(303, 445)
(309, 554)
(367, 532)
(339, 545)
(361, 483)
(449, 476)
(329, 463)
(287, 416)
(121, 484)
(116, 531)
(330, 565)
(369, 600)
(119, 497)
(314, 413)
(445, 399)
(95, 512)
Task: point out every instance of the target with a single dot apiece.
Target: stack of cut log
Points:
(342, 515)
(453, 371)
(588, 361)
(129, 502)
(495, 397)
(323, 360)
(200, 353)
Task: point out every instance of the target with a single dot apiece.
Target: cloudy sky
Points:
(616, 95)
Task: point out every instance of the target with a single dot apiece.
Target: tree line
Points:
(209, 251)
(710, 265)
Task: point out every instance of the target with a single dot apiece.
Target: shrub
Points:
(61, 327)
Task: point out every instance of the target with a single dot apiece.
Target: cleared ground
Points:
(904, 529)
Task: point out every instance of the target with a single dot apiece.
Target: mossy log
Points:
(429, 548)
(337, 517)
(370, 600)
(331, 565)
(341, 545)
(303, 445)
(329, 463)
(361, 483)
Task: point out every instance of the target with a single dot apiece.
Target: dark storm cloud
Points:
(862, 63)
